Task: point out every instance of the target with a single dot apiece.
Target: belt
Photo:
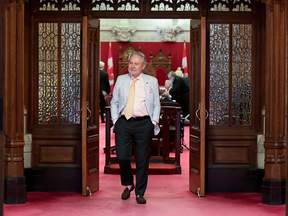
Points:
(136, 118)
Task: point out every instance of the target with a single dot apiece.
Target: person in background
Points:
(179, 92)
(180, 72)
(168, 85)
(135, 111)
(104, 89)
(165, 96)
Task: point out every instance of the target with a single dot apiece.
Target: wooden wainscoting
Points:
(56, 159)
(231, 161)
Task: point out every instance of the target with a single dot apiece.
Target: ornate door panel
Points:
(90, 106)
(231, 98)
(197, 109)
(232, 103)
(56, 95)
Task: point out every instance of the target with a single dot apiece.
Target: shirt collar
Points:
(140, 77)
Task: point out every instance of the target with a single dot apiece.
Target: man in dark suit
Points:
(104, 89)
(179, 91)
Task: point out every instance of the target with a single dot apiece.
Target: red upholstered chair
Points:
(162, 65)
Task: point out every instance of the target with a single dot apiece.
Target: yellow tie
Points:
(130, 101)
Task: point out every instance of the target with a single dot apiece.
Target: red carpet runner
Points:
(167, 195)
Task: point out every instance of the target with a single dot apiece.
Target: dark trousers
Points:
(139, 132)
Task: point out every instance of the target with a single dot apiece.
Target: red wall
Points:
(146, 47)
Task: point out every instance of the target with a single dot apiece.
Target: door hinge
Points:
(88, 189)
(198, 192)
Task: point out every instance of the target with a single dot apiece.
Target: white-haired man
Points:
(134, 121)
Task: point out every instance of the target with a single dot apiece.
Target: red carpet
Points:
(166, 195)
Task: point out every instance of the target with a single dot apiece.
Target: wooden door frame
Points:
(1, 104)
(90, 93)
(203, 105)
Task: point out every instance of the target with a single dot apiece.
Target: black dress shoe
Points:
(126, 193)
(141, 200)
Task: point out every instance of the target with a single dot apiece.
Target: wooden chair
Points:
(162, 65)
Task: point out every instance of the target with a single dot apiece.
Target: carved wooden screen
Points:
(107, 8)
(143, 8)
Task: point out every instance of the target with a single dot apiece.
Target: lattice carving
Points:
(152, 5)
(102, 6)
(242, 5)
(241, 74)
(231, 5)
(126, 5)
(70, 72)
(63, 5)
(230, 91)
(220, 5)
(158, 5)
(71, 5)
(192, 5)
(48, 5)
(49, 74)
(219, 75)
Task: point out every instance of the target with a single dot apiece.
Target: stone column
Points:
(273, 183)
(14, 179)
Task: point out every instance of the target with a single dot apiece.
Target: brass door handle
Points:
(196, 113)
(89, 113)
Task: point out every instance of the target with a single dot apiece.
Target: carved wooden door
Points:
(90, 106)
(198, 112)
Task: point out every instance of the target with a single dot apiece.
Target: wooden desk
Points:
(163, 162)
